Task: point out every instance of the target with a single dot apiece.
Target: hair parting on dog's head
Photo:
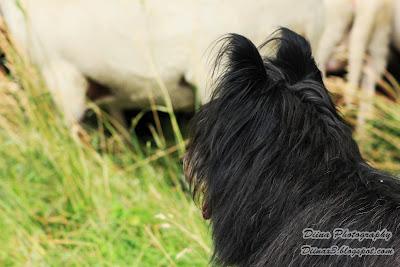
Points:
(269, 134)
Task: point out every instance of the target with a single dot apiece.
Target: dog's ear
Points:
(294, 57)
(238, 66)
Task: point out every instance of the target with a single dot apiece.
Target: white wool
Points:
(135, 46)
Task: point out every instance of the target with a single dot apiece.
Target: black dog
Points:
(270, 156)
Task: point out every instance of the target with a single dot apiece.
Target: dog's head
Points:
(269, 125)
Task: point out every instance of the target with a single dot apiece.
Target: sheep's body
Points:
(136, 47)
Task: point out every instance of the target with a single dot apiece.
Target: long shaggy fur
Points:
(269, 155)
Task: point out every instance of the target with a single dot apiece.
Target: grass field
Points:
(97, 200)
(106, 198)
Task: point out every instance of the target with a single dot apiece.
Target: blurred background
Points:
(95, 100)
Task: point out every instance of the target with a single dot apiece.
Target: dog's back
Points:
(272, 157)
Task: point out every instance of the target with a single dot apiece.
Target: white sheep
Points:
(145, 48)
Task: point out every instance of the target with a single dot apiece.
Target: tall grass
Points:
(68, 198)
(65, 201)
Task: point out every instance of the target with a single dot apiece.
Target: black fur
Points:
(269, 155)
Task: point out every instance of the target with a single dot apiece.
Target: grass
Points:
(380, 145)
(73, 198)
(88, 201)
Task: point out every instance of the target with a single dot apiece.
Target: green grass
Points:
(104, 198)
(96, 200)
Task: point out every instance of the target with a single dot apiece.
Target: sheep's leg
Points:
(198, 77)
(68, 87)
(338, 15)
(378, 51)
(182, 95)
(359, 37)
